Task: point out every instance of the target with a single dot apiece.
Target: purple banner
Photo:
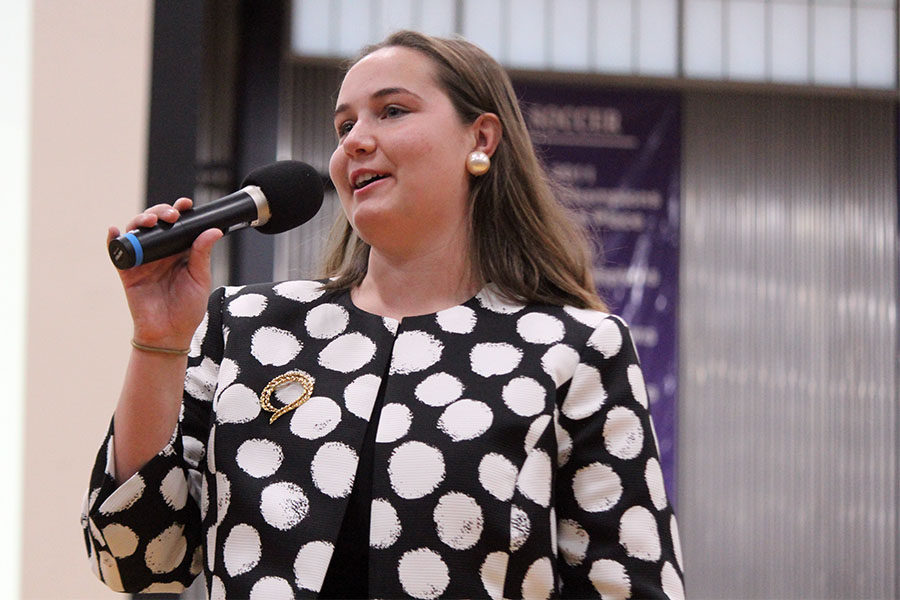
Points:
(619, 152)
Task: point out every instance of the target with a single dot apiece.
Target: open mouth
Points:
(367, 179)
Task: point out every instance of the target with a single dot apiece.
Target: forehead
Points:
(388, 68)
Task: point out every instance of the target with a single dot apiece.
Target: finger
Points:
(145, 219)
(183, 204)
(111, 234)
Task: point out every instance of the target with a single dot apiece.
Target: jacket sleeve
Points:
(616, 531)
(145, 534)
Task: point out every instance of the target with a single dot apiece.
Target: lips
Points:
(363, 179)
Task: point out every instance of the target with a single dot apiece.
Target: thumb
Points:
(201, 251)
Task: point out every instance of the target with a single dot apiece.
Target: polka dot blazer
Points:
(514, 456)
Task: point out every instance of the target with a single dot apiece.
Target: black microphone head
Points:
(293, 190)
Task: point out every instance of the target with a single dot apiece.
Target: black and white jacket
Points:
(514, 457)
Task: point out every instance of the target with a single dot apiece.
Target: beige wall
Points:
(89, 112)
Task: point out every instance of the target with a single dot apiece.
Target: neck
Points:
(405, 287)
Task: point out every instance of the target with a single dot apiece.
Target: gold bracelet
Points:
(174, 351)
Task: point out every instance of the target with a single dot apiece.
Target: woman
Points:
(450, 414)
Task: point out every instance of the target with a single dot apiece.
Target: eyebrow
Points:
(390, 91)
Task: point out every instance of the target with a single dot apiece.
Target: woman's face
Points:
(399, 166)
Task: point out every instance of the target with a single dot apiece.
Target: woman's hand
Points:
(167, 297)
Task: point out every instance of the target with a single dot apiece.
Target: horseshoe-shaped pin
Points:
(304, 379)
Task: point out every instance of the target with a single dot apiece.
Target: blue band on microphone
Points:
(138, 250)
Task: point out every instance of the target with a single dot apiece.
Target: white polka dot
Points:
(606, 339)
(423, 574)
(248, 305)
(211, 551)
(493, 574)
(216, 589)
(559, 362)
(125, 495)
(586, 316)
(623, 435)
(538, 582)
(573, 541)
(586, 393)
(636, 381)
(232, 290)
(497, 476)
(494, 359)
(519, 528)
(439, 389)
(394, 423)
(326, 321)
(415, 351)
(597, 488)
(390, 324)
(110, 570)
(174, 489)
(676, 541)
(638, 534)
(563, 442)
(538, 328)
(465, 419)
(535, 431)
(242, 549)
(524, 396)
(315, 418)
(200, 381)
(166, 551)
(199, 336)
(610, 580)
(193, 450)
(228, 372)
(552, 518)
(535, 478)
(333, 469)
(671, 582)
(359, 396)
(273, 346)
(311, 565)
(271, 588)
(654, 477)
(223, 496)
(459, 520)
(385, 528)
(415, 469)
(259, 458)
(494, 301)
(459, 319)
(121, 540)
(237, 404)
(347, 353)
(283, 505)
(301, 291)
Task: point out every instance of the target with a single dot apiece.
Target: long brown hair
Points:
(523, 239)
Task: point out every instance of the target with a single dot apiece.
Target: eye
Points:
(392, 111)
(344, 128)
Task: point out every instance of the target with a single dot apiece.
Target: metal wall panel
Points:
(788, 406)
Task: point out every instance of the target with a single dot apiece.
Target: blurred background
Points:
(780, 215)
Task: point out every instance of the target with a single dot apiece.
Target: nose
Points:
(359, 140)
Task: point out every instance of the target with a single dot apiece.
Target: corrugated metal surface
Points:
(788, 406)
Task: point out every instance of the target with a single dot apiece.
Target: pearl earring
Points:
(478, 163)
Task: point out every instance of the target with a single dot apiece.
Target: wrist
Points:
(165, 350)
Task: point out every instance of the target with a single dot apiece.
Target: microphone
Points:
(273, 198)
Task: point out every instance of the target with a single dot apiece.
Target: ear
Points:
(486, 133)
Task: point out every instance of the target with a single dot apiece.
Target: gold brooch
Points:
(304, 379)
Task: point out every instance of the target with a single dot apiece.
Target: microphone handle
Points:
(147, 244)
